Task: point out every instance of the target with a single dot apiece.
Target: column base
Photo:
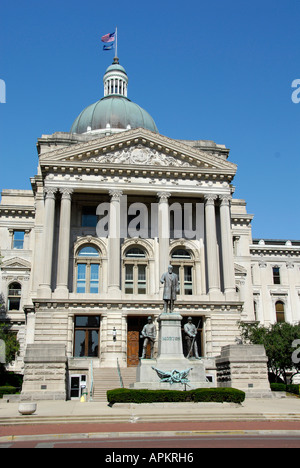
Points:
(61, 292)
(44, 291)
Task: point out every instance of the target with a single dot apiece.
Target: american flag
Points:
(108, 37)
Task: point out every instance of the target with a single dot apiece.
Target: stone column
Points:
(212, 254)
(38, 239)
(163, 232)
(227, 246)
(64, 241)
(47, 252)
(114, 272)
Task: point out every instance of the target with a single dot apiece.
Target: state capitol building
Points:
(112, 205)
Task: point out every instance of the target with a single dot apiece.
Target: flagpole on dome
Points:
(116, 59)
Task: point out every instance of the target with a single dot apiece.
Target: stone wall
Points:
(45, 373)
(244, 367)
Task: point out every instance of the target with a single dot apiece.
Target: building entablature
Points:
(139, 186)
(142, 307)
(284, 251)
(17, 211)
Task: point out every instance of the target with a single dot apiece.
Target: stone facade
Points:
(84, 250)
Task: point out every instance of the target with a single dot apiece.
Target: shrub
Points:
(7, 391)
(292, 388)
(278, 387)
(220, 395)
(11, 379)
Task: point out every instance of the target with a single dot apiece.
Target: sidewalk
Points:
(62, 420)
(74, 411)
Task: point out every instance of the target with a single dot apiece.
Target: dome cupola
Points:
(115, 80)
(114, 112)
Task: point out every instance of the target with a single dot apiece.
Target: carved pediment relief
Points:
(139, 155)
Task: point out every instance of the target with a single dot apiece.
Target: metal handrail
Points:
(119, 372)
(92, 382)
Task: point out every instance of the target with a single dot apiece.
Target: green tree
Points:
(278, 340)
(12, 346)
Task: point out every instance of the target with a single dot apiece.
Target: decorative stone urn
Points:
(27, 408)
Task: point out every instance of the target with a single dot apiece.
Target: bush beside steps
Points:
(214, 395)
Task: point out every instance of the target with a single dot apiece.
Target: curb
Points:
(139, 417)
(140, 435)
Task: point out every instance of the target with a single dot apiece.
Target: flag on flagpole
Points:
(109, 46)
(108, 38)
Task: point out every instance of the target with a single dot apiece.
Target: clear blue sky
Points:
(218, 70)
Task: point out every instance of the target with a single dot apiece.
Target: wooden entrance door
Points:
(134, 341)
(133, 345)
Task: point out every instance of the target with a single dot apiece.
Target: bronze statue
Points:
(190, 335)
(149, 335)
(171, 289)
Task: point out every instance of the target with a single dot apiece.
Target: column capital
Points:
(50, 192)
(225, 200)
(210, 198)
(163, 196)
(66, 192)
(115, 194)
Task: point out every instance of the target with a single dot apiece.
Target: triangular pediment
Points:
(140, 148)
(15, 263)
(240, 270)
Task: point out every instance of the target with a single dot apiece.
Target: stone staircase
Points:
(108, 379)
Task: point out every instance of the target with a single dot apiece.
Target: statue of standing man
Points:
(190, 335)
(149, 335)
(170, 281)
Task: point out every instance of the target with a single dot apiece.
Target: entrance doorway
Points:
(77, 385)
(135, 326)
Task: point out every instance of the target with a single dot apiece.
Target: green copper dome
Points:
(114, 112)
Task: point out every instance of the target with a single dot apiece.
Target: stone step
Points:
(108, 379)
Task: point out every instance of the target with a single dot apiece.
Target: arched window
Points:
(135, 264)
(279, 308)
(14, 296)
(88, 270)
(183, 266)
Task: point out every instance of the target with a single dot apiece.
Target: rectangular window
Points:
(81, 278)
(129, 279)
(13, 303)
(276, 275)
(141, 279)
(18, 240)
(86, 336)
(94, 280)
(89, 217)
(188, 281)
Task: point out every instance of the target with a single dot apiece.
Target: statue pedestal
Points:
(170, 362)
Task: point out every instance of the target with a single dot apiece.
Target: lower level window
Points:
(86, 336)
